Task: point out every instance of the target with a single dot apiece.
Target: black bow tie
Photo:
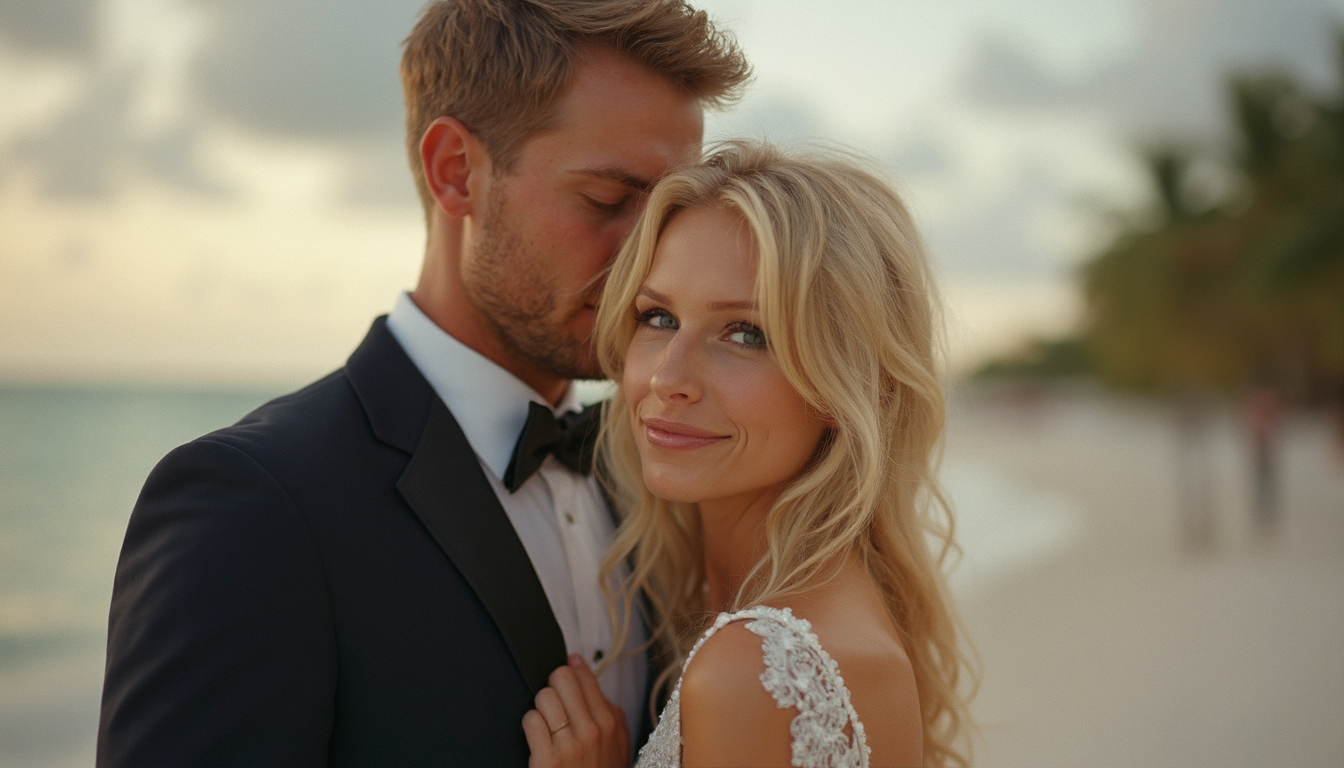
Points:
(570, 438)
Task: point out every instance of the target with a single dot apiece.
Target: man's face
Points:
(552, 223)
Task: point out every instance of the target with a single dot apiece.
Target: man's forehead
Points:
(622, 122)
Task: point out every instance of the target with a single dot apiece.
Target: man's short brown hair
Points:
(498, 66)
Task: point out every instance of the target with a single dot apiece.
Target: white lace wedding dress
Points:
(798, 673)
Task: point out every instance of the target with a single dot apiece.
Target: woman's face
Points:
(713, 415)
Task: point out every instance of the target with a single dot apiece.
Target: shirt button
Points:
(597, 655)
(569, 518)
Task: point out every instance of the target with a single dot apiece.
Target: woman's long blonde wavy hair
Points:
(847, 305)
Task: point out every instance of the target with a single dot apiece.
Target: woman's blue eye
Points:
(747, 335)
(657, 318)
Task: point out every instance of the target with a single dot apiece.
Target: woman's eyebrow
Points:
(715, 305)
(652, 294)
(739, 304)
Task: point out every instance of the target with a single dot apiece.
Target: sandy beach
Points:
(1123, 647)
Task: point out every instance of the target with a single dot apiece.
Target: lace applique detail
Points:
(798, 673)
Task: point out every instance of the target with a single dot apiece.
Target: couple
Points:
(409, 562)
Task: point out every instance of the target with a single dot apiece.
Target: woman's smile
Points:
(677, 436)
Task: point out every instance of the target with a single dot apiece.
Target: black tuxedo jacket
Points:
(330, 581)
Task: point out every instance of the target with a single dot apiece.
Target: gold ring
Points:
(561, 728)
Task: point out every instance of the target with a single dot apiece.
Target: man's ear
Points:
(451, 155)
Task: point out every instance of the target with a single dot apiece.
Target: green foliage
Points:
(1247, 288)
(1042, 359)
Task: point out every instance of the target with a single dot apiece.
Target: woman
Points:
(774, 437)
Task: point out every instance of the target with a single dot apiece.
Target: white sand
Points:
(1127, 649)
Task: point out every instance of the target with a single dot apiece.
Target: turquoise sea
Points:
(71, 465)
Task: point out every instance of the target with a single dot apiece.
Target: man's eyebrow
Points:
(619, 176)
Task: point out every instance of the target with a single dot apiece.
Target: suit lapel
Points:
(447, 489)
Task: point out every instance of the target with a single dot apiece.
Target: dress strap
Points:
(720, 621)
(799, 673)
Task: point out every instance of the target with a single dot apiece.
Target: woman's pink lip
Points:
(671, 434)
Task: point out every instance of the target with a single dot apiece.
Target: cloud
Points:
(78, 153)
(1171, 80)
(379, 176)
(83, 153)
(777, 117)
(65, 27)
(921, 156)
(107, 126)
(301, 70)
(1004, 74)
(995, 238)
(322, 69)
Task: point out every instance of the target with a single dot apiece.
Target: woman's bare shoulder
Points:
(881, 681)
(727, 716)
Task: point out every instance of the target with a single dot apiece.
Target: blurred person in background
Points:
(1264, 419)
(379, 568)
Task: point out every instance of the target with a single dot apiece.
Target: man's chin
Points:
(583, 324)
(571, 358)
(588, 368)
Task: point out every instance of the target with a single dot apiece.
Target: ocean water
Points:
(72, 462)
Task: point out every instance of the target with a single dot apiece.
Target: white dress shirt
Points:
(560, 516)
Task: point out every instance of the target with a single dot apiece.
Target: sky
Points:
(214, 192)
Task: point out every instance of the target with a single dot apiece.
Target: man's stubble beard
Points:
(505, 282)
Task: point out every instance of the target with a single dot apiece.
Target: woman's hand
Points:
(574, 726)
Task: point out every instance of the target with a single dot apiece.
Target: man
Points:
(365, 571)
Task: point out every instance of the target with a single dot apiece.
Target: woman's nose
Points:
(677, 376)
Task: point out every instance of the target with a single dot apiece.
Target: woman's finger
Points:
(612, 743)
(552, 710)
(622, 731)
(598, 705)
(538, 741)
(581, 726)
(608, 715)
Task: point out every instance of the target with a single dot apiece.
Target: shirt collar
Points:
(488, 402)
